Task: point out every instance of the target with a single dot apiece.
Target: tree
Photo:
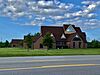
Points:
(7, 44)
(4, 44)
(94, 44)
(21, 44)
(1, 45)
(28, 40)
(48, 41)
(36, 34)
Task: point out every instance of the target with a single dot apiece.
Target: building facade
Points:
(16, 43)
(66, 36)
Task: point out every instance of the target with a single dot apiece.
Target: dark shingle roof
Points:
(57, 31)
(16, 41)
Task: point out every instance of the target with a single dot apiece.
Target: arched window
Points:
(77, 42)
(63, 36)
(76, 38)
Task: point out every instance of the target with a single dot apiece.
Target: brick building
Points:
(16, 43)
(66, 36)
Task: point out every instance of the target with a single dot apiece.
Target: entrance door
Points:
(77, 44)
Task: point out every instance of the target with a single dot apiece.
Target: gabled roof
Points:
(65, 26)
(77, 29)
(58, 31)
(16, 41)
(34, 38)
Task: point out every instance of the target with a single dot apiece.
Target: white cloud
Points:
(87, 2)
(64, 6)
(89, 8)
(58, 17)
(11, 8)
(91, 15)
(44, 3)
(79, 13)
(39, 11)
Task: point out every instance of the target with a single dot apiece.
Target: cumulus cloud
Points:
(40, 11)
(87, 2)
(91, 15)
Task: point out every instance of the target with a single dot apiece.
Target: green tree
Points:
(7, 44)
(36, 34)
(28, 40)
(1, 44)
(4, 44)
(48, 41)
(94, 44)
(21, 44)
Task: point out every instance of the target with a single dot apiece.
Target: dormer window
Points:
(52, 35)
(70, 29)
(63, 36)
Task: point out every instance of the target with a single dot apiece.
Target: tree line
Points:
(5, 44)
(93, 44)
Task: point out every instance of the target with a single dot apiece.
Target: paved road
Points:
(51, 65)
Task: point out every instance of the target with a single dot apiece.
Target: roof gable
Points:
(63, 36)
(60, 32)
(57, 31)
(70, 29)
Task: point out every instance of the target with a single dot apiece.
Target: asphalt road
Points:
(50, 65)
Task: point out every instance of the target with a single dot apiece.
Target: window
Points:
(52, 35)
(59, 43)
(76, 39)
(77, 36)
(63, 36)
(70, 29)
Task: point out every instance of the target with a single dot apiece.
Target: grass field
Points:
(9, 52)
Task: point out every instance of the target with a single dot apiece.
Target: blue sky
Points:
(20, 17)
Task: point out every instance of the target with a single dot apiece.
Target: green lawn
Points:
(8, 52)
